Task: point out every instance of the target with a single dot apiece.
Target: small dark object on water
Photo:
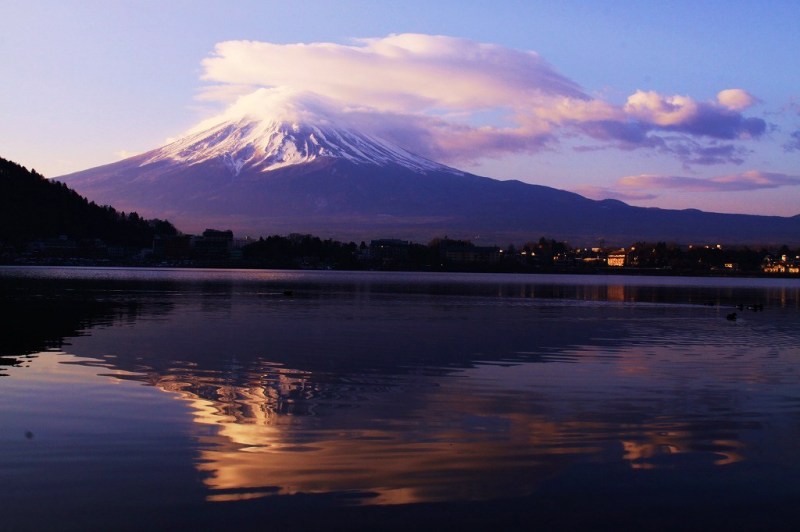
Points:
(756, 307)
(731, 316)
(288, 292)
(28, 435)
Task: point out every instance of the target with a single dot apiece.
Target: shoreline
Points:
(249, 265)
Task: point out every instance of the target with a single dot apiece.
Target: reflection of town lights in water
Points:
(616, 293)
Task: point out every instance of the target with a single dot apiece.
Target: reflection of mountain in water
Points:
(424, 392)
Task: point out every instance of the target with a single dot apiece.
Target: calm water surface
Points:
(144, 399)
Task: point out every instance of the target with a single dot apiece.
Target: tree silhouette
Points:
(34, 208)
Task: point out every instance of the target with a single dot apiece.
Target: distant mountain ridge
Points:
(280, 175)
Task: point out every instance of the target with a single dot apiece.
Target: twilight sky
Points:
(681, 104)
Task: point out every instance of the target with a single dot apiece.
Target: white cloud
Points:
(433, 94)
(401, 73)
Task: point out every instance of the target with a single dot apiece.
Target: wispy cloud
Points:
(454, 99)
(706, 154)
(745, 181)
(124, 154)
(600, 193)
(794, 142)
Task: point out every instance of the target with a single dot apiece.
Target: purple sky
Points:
(681, 105)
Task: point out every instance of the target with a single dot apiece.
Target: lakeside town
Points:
(219, 248)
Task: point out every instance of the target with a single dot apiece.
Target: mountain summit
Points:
(269, 130)
(272, 144)
(301, 172)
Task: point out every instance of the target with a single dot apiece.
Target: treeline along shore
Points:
(44, 222)
(215, 248)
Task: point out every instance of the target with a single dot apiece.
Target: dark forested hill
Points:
(34, 208)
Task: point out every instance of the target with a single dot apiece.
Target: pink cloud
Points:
(446, 140)
(719, 119)
(735, 99)
(682, 127)
(750, 180)
(651, 107)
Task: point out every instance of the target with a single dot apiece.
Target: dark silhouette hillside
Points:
(34, 208)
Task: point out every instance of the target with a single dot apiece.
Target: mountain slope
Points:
(278, 176)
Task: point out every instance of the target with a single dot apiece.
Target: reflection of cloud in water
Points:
(455, 439)
(385, 465)
(657, 448)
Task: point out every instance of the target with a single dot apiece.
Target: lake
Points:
(135, 399)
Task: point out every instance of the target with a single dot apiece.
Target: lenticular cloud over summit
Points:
(454, 99)
(399, 73)
(278, 104)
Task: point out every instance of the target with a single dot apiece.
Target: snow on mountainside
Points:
(265, 145)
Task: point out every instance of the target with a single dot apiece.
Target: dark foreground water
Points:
(190, 399)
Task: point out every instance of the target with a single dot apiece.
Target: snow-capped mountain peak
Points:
(271, 144)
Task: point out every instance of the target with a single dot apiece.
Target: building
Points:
(471, 254)
(617, 259)
(172, 246)
(213, 244)
(785, 265)
(388, 251)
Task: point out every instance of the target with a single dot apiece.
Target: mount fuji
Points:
(298, 174)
